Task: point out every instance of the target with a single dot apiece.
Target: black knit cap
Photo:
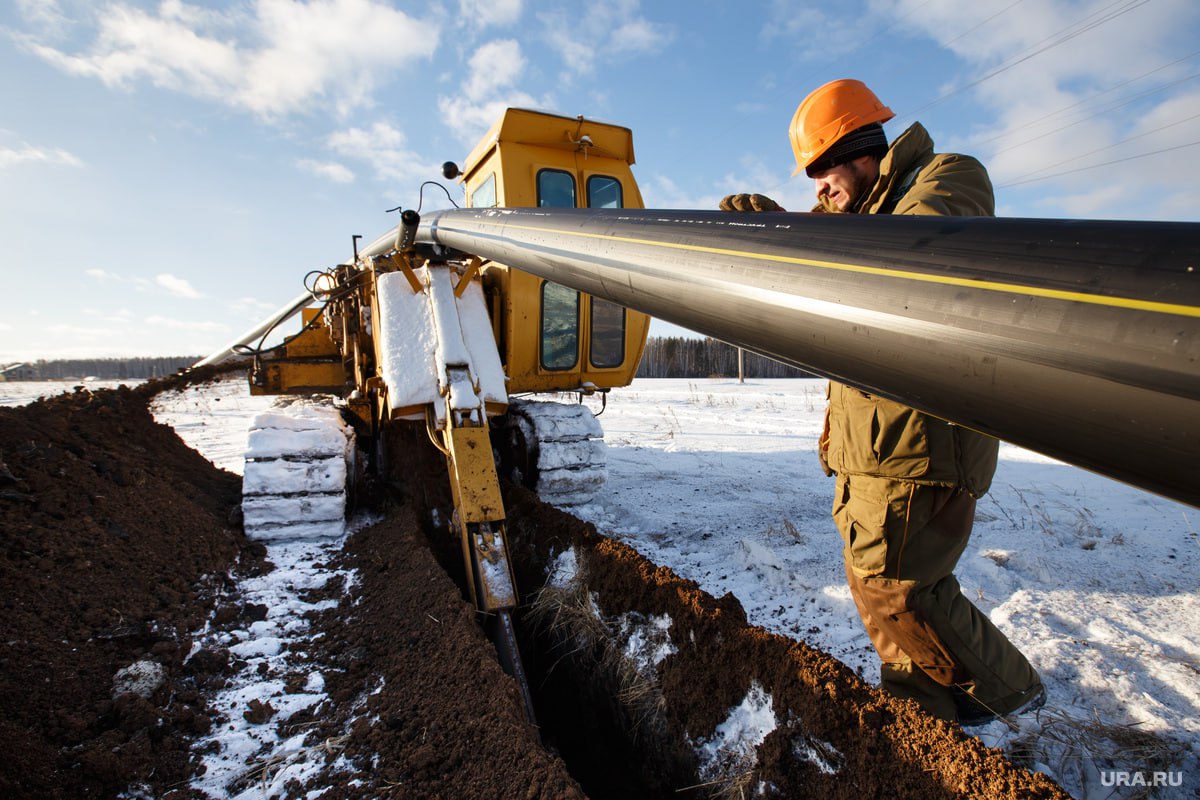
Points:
(869, 140)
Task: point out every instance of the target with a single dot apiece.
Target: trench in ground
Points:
(632, 728)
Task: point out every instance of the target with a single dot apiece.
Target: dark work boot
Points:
(972, 713)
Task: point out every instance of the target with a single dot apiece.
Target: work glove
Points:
(749, 202)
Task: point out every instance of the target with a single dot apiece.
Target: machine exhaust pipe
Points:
(1076, 339)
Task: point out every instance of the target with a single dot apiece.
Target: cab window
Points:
(485, 195)
(607, 337)
(604, 192)
(555, 189)
(560, 326)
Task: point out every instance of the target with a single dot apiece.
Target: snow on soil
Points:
(1098, 583)
(235, 766)
(730, 750)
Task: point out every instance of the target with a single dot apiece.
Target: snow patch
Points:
(142, 678)
(423, 334)
(647, 640)
(818, 752)
(563, 569)
(696, 468)
(731, 749)
(244, 755)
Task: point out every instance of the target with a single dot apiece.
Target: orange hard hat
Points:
(828, 114)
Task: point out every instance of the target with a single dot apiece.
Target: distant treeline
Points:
(679, 357)
(666, 357)
(103, 368)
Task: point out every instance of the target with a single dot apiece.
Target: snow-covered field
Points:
(1098, 583)
(16, 393)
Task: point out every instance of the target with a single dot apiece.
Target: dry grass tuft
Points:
(733, 778)
(1069, 744)
(264, 772)
(570, 616)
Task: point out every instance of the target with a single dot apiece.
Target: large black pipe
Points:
(1077, 339)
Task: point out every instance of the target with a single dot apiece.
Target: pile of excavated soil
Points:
(836, 737)
(119, 540)
(116, 538)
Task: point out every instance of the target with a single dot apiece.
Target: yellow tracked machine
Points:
(406, 334)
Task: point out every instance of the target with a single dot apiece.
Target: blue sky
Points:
(169, 171)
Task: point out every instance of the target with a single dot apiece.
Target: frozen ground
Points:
(1098, 583)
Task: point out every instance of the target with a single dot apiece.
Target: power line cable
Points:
(1056, 39)
(1109, 146)
(1066, 34)
(1098, 113)
(777, 95)
(979, 25)
(1102, 92)
(1098, 166)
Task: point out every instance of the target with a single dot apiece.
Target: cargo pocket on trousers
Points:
(860, 519)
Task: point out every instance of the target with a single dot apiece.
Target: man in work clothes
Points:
(907, 482)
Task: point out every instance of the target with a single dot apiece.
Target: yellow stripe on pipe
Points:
(994, 286)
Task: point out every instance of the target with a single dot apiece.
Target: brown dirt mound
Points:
(867, 743)
(407, 652)
(114, 536)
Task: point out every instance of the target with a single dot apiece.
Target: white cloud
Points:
(177, 286)
(253, 305)
(494, 66)
(660, 191)
(382, 147)
(638, 36)
(812, 33)
(45, 15)
(100, 275)
(172, 323)
(330, 170)
(120, 316)
(605, 31)
(131, 44)
(488, 13)
(274, 58)
(27, 153)
(82, 333)
(1086, 204)
(1067, 89)
(488, 90)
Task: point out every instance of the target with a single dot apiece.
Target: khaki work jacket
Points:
(869, 435)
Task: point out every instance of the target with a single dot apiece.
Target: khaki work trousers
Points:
(902, 541)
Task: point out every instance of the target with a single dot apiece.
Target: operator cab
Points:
(551, 337)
